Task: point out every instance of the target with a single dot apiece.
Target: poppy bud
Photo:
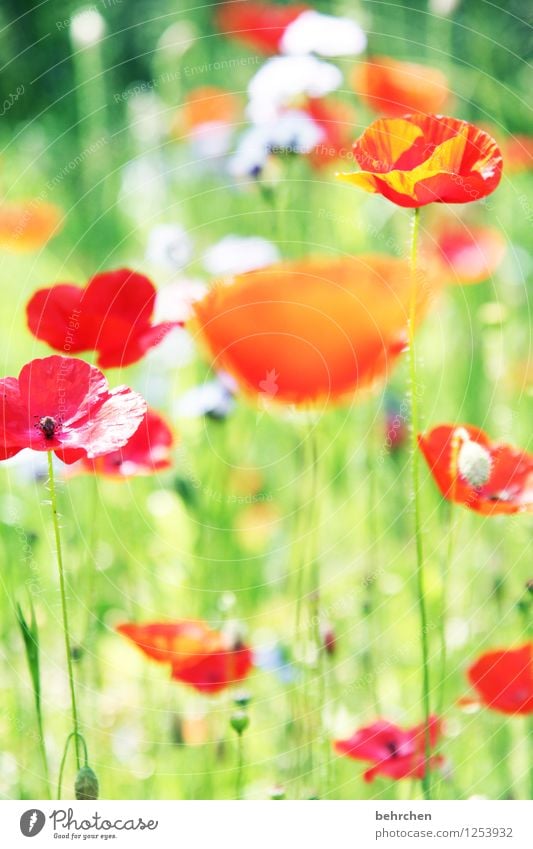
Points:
(529, 586)
(277, 792)
(474, 463)
(242, 699)
(329, 639)
(239, 721)
(86, 786)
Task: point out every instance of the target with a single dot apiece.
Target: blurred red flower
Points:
(64, 405)
(421, 159)
(146, 452)
(336, 120)
(504, 679)
(28, 225)
(199, 656)
(394, 88)
(111, 315)
(489, 477)
(396, 752)
(258, 25)
(472, 254)
(310, 330)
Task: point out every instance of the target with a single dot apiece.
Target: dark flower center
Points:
(392, 748)
(48, 426)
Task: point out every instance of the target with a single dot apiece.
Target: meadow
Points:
(285, 584)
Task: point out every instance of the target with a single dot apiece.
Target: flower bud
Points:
(239, 721)
(329, 640)
(474, 463)
(86, 786)
(277, 792)
(242, 699)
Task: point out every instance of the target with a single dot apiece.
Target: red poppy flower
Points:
(472, 254)
(199, 656)
(26, 226)
(504, 679)
(394, 88)
(421, 159)
(146, 452)
(258, 25)
(489, 477)
(112, 315)
(64, 405)
(336, 120)
(310, 330)
(396, 752)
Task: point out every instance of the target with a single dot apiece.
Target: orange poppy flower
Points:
(206, 105)
(394, 88)
(472, 254)
(421, 159)
(471, 470)
(199, 656)
(310, 330)
(26, 226)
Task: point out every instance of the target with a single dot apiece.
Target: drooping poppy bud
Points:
(86, 786)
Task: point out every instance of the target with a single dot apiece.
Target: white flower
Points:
(326, 35)
(211, 139)
(237, 254)
(174, 301)
(213, 399)
(283, 79)
(291, 132)
(169, 247)
(87, 28)
(147, 117)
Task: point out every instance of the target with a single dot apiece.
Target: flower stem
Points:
(415, 469)
(66, 630)
(239, 781)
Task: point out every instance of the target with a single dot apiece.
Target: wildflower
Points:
(394, 88)
(490, 477)
(147, 451)
(395, 752)
(503, 679)
(112, 315)
(313, 329)
(421, 159)
(207, 660)
(470, 254)
(64, 405)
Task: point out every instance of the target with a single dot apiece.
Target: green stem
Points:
(239, 783)
(308, 571)
(42, 745)
(78, 737)
(415, 468)
(446, 570)
(66, 630)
